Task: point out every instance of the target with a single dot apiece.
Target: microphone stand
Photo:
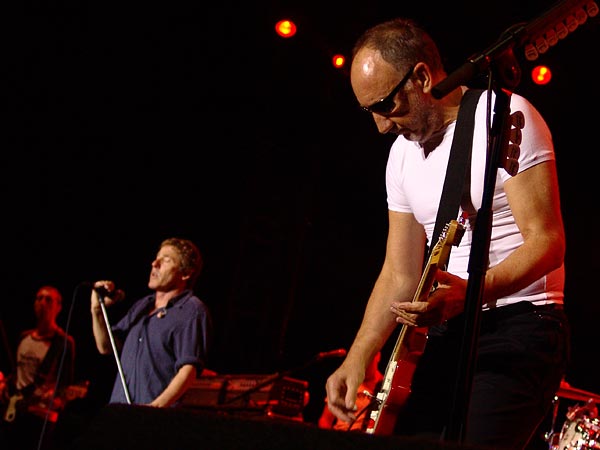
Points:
(504, 75)
(478, 262)
(114, 346)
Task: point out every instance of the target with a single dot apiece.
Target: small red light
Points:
(285, 28)
(338, 61)
(541, 75)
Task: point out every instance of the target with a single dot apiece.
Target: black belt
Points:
(501, 312)
(493, 316)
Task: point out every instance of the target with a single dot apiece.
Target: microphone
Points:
(339, 353)
(116, 295)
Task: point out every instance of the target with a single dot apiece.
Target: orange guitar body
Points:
(410, 344)
(396, 384)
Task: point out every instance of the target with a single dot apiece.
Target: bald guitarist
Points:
(522, 349)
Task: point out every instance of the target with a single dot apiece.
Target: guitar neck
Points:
(411, 341)
(411, 337)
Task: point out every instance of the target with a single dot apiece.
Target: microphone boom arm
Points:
(535, 36)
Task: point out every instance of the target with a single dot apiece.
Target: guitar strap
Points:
(457, 184)
(52, 356)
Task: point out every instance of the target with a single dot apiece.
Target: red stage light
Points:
(338, 61)
(285, 28)
(541, 75)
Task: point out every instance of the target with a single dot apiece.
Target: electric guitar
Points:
(41, 402)
(411, 341)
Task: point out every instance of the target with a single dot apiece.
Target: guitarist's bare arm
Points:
(538, 217)
(398, 279)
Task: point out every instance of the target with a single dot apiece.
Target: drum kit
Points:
(581, 429)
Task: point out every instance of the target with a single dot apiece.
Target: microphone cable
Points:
(61, 363)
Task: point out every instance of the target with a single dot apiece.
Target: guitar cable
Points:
(368, 407)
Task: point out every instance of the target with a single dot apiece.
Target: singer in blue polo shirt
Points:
(162, 342)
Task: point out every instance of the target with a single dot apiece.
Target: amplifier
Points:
(272, 395)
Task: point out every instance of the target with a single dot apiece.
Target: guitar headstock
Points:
(452, 233)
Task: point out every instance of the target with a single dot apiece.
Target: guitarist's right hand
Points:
(342, 386)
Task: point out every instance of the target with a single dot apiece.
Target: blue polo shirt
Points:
(156, 346)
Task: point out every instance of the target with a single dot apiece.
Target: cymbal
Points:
(567, 391)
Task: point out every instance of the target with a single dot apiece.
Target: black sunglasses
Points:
(386, 104)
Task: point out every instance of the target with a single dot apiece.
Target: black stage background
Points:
(128, 124)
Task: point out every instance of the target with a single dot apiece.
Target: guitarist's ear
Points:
(422, 77)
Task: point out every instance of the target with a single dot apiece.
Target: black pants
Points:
(522, 354)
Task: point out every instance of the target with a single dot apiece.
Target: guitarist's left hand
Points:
(445, 302)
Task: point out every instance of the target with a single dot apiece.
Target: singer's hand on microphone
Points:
(105, 290)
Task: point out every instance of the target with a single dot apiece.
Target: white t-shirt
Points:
(414, 185)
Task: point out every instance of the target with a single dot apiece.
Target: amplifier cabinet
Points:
(269, 394)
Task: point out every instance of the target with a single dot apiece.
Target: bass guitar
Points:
(411, 341)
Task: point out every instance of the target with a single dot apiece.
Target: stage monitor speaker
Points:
(127, 427)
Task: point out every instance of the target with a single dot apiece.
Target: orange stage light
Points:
(541, 75)
(338, 61)
(285, 28)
